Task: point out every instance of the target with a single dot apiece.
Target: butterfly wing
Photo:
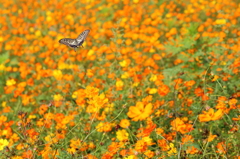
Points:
(80, 39)
(69, 42)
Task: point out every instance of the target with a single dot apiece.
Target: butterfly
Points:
(75, 43)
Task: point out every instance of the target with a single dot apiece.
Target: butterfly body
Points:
(75, 43)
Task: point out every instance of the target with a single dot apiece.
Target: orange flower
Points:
(189, 83)
(162, 143)
(221, 147)
(27, 154)
(156, 57)
(124, 123)
(3, 119)
(90, 73)
(26, 99)
(112, 149)
(192, 150)
(210, 115)
(232, 102)
(199, 92)
(211, 137)
(91, 92)
(141, 146)
(144, 132)
(187, 139)
(180, 126)
(149, 154)
(163, 90)
(205, 97)
(128, 42)
(32, 133)
(140, 111)
(159, 131)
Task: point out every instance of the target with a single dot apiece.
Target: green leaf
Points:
(4, 57)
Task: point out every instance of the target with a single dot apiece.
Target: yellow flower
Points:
(123, 63)
(5, 132)
(4, 104)
(2, 67)
(49, 18)
(147, 140)
(32, 116)
(140, 111)
(135, 1)
(57, 74)
(75, 94)
(125, 75)
(10, 82)
(3, 143)
(172, 149)
(71, 150)
(31, 29)
(119, 84)
(153, 78)
(220, 21)
(109, 108)
(122, 135)
(104, 127)
(38, 33)
(70, 17)
(130, 157)
(84, 44)
(90, 53)
(135, 84)
(49, 137)
(152, 50)
(152, 91)
(57, 97)
(62, 65)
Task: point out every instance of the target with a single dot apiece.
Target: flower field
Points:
(153, 79)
